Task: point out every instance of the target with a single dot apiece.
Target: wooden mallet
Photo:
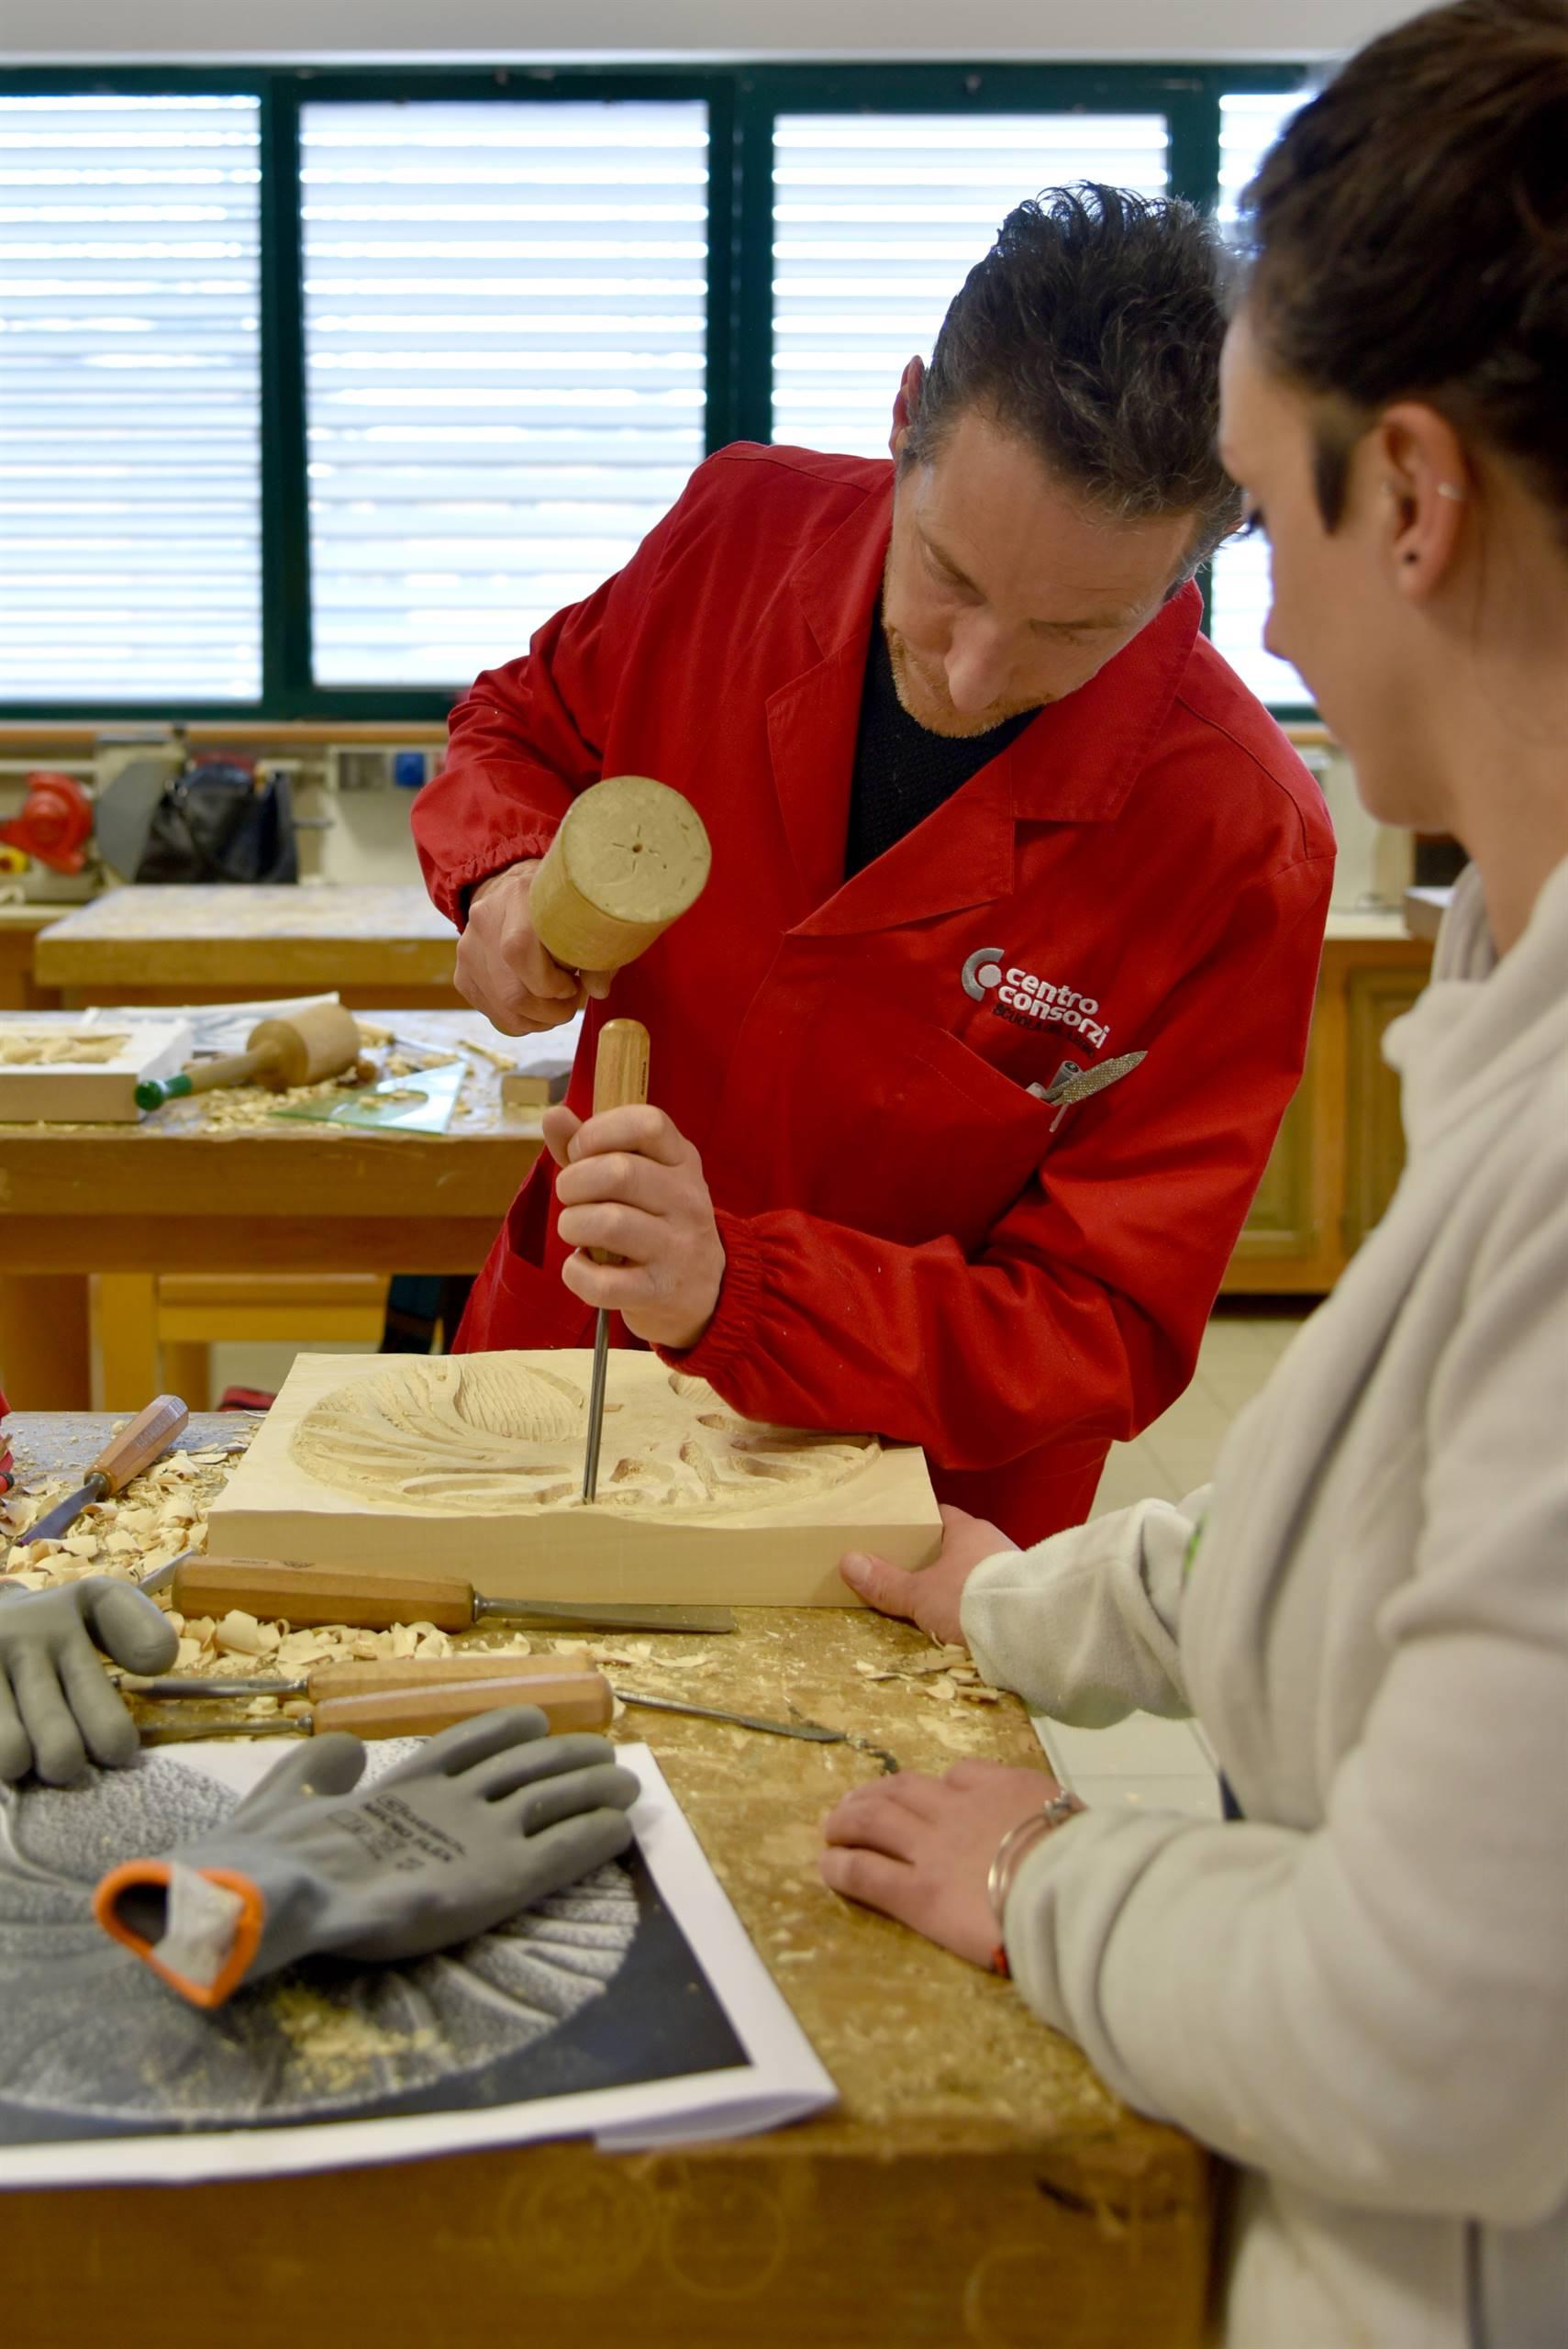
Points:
(297, 1047)
(630, 857)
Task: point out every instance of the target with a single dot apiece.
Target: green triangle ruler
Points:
(418, 1104)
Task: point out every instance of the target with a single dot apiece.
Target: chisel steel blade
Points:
(63, 1515)
(597, 1404)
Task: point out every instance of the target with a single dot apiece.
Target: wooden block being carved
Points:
(70, 1074)
(473, 1464)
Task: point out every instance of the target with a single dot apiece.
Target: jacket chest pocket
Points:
(917, 1138)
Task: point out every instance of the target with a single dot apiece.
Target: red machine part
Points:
(55, 822)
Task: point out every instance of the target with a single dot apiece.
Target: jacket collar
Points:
(1075, 763)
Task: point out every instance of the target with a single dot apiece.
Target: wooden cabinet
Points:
(1341, 1149)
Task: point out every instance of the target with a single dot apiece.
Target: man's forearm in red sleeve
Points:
(527, 738)
(1083, 1312)
(517, 754)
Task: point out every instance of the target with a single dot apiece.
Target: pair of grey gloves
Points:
(480, 1822)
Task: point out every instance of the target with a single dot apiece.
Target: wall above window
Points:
(627, 31)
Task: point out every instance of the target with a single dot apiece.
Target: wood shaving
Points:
(47, 1048)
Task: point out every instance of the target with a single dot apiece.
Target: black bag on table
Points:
(218, 822)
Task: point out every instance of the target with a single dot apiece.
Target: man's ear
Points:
(905, 406)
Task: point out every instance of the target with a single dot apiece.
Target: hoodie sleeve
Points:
(1083, 1627)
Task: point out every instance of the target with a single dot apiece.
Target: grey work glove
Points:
(58, 1706)
(486, 1819)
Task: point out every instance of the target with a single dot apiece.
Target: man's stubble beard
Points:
(928, 705)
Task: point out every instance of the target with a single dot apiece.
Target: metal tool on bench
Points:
(136, 1447)
(813, 1733)
(310, 1596)
(294, 1047)
(620, 1075)
(405, 1698)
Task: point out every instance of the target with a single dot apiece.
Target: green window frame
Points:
(743, 103)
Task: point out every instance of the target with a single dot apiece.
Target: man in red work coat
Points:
(986, 809)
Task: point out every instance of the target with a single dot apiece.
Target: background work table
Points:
(186, 1191)
(977, 2183)
(163, 945)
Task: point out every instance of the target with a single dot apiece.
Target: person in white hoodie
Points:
(1356, 1987)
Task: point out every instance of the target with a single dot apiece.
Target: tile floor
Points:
(1143, 1760)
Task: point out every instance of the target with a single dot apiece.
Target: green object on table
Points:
(420, 1104)
(153, 1091)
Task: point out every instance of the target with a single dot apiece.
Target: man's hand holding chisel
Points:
(631, 1184)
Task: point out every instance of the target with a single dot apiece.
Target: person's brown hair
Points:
(1409, 237)
(1092, 329)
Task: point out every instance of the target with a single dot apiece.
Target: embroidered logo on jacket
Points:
(1026, 999)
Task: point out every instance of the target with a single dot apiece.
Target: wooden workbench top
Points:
(977, 2183)
(28, 914)
(225, 1189)
(326, 934)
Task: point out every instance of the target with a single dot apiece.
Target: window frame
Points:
(743, 103)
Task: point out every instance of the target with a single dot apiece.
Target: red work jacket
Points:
(916, 1242)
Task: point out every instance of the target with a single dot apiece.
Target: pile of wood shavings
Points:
(161, 1513)
(237, 1108)
(949, 1677)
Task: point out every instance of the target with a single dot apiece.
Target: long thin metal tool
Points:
(620, 1075)
(813, 1733)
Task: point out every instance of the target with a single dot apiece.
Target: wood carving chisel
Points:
(620, 1075)
(352, 1679)
(310, 1596)
(572, 1700)
(136, 1447)
(813, 1733)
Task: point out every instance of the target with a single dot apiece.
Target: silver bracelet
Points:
(1021, 1839)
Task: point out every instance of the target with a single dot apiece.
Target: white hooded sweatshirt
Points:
(1360, 1992)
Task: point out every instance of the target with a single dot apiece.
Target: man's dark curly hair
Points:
(1092, 330)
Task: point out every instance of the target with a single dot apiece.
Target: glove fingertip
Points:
(132, 1627)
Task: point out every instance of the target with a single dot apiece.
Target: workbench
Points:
(179, 1192)
(976, 2184)
(222, 944)
(19, 927)
(1340, 1146)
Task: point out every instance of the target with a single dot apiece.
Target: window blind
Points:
(1240, 591)
(129, 399)
(505, 321)
(878, 218)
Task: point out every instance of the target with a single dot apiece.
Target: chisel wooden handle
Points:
(621, 1077)
(575, 1700)
(206, 1077)
(308, 1596)
(326, 1681)
(140, 1441)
